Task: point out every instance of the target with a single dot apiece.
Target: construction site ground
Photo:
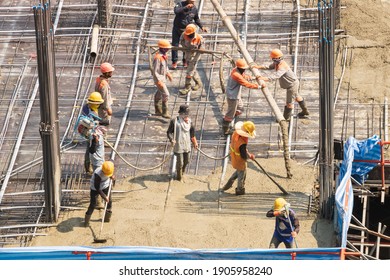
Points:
(151, 209)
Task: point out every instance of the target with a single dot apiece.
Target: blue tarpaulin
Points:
(353, 150)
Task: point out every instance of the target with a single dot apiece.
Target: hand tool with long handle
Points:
(272, 179)
(98, 239)
(292, 228)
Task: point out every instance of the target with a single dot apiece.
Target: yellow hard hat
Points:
(191, 28)
(250, 128)
(95, 98)
(106, 67)
(279, 204)
(164, 44)
(276, 53)
(241, 63)
(108, 168)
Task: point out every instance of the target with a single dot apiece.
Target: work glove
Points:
(160, 85)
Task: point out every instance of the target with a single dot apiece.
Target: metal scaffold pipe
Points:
(94, 40)
(278, 114)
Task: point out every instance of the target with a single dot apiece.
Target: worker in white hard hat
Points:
(102, 86)
(288, 80)
(239, 155)
(286, 224)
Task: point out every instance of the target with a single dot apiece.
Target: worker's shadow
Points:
(142, 181)
(68, 225)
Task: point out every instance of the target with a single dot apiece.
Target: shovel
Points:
(98, 239)
(272, 179)
(292, 228)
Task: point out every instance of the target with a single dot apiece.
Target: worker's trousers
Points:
(92, 203)
(275, 242)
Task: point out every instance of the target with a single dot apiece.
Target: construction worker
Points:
(100, 186)
(288, 80)
(191, 40)
(181, 133)
(160, 74)
(239, 155)
(286, 224)
(103, 87)
(185, 13)
(236, 80)
(96, 147)
(91, 110)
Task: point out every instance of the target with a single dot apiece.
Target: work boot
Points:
(185, 64)
(304, 111)
(187, 87)
(240, 191)
(228, 185)
(86, 220)
(225, 127)
(157, 108)
(179, 174)
(99, 203)
(107, 216)
(287, 113)
(198, 82)
(165, 113)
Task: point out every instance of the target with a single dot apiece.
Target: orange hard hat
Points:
(276, 53)
(106, 67)
(191, 28)
(241, 63)
(164, 44)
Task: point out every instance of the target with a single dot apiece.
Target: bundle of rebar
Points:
(48, 98)
(326, 108)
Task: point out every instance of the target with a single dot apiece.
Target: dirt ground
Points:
(150, 211)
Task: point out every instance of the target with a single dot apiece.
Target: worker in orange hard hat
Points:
(100, 186)
(239, 155)
(286, 224)
(191, 40)
(103, 87)
(288, 80)
(185, 13)
(236, 80)
(160, 74)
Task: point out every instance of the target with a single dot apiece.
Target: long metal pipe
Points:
(94, 40)
(279, 116)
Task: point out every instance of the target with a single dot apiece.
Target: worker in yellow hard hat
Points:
(160, 73)
(236, 80)
(239, 155)
(288, 80)
(191, 40)
(100, 183)
(286, 224)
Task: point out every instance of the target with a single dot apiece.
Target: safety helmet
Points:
(276, 53)
(164, 44)
(106, 67)
(191, 28)
(108, 168)
(279, 203)
(241, 63)
(250, 128)
(95, 98)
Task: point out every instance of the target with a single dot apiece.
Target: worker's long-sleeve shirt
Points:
(185, 16)
(282, 72)
(182, 132)
(160, 67)
(235, 82)
(282, 225)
